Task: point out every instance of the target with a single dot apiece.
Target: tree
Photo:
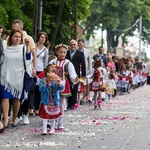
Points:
(23, 9)
(11, 10)
(118, 15)
(65, 28)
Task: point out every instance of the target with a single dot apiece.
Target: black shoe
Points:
(5, 127)
(70, 107)
(81, 102)
(36, 114)
(30, 114)
(90, 101)
(14, 125)
(103, 99)
(2, 130)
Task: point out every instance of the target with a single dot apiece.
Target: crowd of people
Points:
(64, 78)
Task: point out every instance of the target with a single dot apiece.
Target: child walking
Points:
(67, 74)
(111, 85)
(50, 86)
(98, 73)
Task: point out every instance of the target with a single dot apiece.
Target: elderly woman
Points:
(12, 74)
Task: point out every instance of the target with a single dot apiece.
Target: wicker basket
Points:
(110, 91)
(52, 77)
(102, 87)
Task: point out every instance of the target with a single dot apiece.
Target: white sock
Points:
(52, 124)
(62, 101)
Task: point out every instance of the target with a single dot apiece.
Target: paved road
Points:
(122, 124)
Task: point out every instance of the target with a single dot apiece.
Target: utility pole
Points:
(140, 37)
(40, 15)
(37, 18)
(75, 19)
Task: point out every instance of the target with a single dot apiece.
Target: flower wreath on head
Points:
(61, 45)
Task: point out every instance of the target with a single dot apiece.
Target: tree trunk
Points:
(110, 37)
(112, 41)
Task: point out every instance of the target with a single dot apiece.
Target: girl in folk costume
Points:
(144, 75)
(124, 83)
(66, 72)
(139, 79)
(97, 76)
(50, 86)
(134, 79)
(129, 78)
(81, 90)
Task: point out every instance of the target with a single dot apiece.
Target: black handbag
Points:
(28, 81)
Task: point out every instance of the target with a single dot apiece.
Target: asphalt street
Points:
(121, 124)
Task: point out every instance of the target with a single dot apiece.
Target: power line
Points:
(129, 27)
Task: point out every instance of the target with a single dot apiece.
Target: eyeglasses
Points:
(73, 44)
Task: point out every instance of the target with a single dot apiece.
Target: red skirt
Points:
(49, 112)
(81, 88)
(66, 91)
(94, 86)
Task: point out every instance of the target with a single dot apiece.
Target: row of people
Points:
(71, 66)
(39, 62)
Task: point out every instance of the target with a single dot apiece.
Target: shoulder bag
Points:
(41, 52)
(28, 82)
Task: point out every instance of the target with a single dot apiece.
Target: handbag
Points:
(41, 52)
(28, 81)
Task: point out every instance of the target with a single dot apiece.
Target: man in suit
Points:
(102, 55)
(77, 58)
(88, 64)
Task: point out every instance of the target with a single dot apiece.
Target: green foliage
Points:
(65, 28)
(117, 15)
(23, 9)
(14, 9)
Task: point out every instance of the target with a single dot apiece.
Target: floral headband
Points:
(61, 45)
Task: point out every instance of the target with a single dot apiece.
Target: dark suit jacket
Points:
(77, 60)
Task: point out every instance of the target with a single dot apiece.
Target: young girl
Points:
(66, 72)
(124, 83)
(134, 79)
(111, 85)
(50, 87)
(98, 74)
(129, 73)
(80, 93)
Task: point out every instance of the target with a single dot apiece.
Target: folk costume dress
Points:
(98, 77)
(66, 72)
(50, 100)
